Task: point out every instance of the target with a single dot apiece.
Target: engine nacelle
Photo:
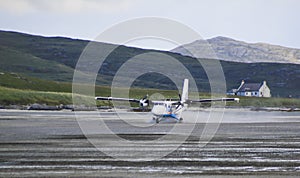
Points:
(144, 103)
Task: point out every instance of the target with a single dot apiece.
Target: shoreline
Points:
(44, 107)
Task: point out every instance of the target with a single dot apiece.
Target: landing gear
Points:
(157, 120)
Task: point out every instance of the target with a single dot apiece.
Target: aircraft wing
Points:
(215, 99)
(116, 99)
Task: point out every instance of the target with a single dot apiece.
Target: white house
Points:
(251, 89)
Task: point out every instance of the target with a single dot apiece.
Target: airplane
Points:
(168, 108)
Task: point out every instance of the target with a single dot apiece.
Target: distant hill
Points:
(54, 58)
(238, 51)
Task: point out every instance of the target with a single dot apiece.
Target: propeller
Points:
(145, 97)
(144, 101)
(179, 103)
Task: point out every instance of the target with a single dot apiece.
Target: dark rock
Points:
(43, 107)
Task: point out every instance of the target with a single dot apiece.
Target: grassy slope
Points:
(30, 55)
(20, 62)
(53, 59)
(267, 102)
(23, 97)
(10, 96)
(22, 90)
(19, 81)
(62, 50)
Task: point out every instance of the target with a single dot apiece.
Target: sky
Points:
(268, 21)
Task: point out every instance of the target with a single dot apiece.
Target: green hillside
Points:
(59, 49)
(18, 81)
(19, 89)
(54, 58)
(21, 62)
(11, 96)
(26, 91)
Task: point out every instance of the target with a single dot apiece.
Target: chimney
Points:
(242, 83)
(264, 82)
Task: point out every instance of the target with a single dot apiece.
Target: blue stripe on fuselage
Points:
(170, 115)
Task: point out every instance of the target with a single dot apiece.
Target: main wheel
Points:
(157, 120)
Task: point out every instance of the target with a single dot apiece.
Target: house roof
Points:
(250, 87)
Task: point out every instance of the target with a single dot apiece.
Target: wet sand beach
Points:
(247, 143)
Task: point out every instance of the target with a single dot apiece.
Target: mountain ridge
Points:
(229, 49)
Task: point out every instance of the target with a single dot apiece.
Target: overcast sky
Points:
(269, 21)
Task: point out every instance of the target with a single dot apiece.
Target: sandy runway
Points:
(246, 143)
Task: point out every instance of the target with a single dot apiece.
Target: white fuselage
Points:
(163, 108)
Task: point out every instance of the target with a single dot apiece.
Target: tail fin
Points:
(185, 90)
